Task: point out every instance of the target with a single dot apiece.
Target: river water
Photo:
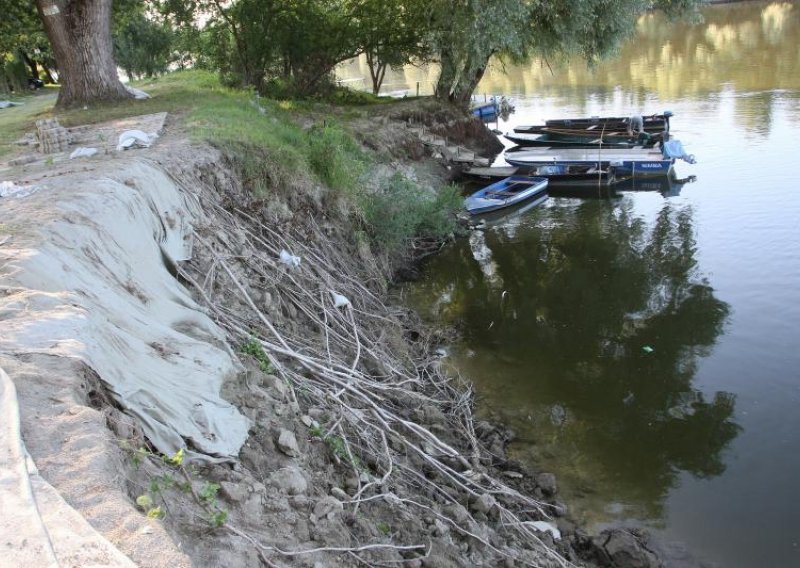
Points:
(645, 347)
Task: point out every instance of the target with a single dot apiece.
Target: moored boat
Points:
(580, 141)
(489, 172)
(486, 110)
(577, 176)
(651, 123)
(630, 161)
(492, 108)
(572, 139)
(504, 193)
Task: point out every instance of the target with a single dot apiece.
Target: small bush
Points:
(401, 211)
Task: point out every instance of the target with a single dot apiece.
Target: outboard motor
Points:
(674, 149)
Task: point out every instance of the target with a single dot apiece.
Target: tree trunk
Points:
(31, 64)
(467, 86)
(48, 75)
(80, 35)
(457, 82)
(241, 45)
(377, 71)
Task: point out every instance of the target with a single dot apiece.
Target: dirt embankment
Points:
(318, 429)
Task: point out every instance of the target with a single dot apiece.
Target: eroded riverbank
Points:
(355, 443)
(336, 433)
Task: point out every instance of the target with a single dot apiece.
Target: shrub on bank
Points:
(400, 211)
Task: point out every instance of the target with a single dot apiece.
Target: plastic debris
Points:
(135, 139)
(647, 349)
(558, 415)
(339, 300)
(10, 189)
(83, 153)
(543, 526)
(137, 93)
(7, 104)
(289, 259)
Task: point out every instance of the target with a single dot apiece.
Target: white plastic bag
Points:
(339, 300)
(289, 259)
(543, 526)
(83, 153)
(10, 189)
(135, 139)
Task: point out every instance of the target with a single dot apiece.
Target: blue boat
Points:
(504, 193)
(631, 161)
(487, 110)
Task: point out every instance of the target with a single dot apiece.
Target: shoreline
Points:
(355, 435)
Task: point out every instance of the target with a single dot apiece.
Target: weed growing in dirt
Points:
(335, 157)
(384, 528)
(163, 487)
(253, 348)
(337, 446)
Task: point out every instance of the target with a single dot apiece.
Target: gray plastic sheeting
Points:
(87, 278)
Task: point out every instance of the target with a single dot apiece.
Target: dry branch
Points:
(353, 372)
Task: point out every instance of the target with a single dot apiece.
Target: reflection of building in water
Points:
(483, 256)
(669, 60)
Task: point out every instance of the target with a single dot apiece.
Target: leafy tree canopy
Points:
(467, 33)
(295, 44)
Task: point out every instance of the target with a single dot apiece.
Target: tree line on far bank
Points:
(291, 47)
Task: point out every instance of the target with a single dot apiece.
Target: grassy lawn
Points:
(15, 121)
(210, 111)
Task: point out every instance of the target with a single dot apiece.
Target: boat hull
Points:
(489, 110)
(547, 141)
(652, 124)
(574, 176)
(579, 139)
(505, 193)
(631, 162)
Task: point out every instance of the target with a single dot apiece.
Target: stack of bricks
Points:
(52, 136)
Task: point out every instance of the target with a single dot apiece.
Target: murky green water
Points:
(646, 347)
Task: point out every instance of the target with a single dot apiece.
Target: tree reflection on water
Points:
(590, 348)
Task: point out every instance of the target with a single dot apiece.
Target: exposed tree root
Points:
(350, 369)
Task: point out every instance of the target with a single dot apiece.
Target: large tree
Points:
(468, 33)
(391, 34)
(142, 40)
(80, 36)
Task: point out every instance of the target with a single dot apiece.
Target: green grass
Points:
(16, 121)
(266, 142)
